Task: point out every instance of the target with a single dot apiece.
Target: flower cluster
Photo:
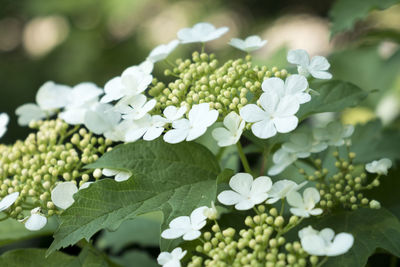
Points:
(40, 174)
(262, 242)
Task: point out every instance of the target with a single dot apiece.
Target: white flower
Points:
(246, 193)
(295, 85)
(379, 166)
(304, 206)
(80, 100)
(230, 134)
(276, 115)
(188, 227)
(173, 113)
(281, 189)
(318, 67)
(172, 259)
(120, 176)
(4, 119)
(250, 44)
(85, 185)
(62, 194)
(300, 145)
(150, 127)
(201, 32)
(49, 97)
(200, 118)
(334, 134)
(133, 81)
(35, 221)
(8, 200)
(324, 242)
(136, 107)
(101, 118)
(162, 51)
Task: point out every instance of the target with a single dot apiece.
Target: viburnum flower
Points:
(35, 221)
(200, 118)
(246, 192)
(212, 212)
(62, 194)
(324, 242)
(188, 227)
(379, 166)
(318, 67)
(172, 113)
(295, 85)
(230, 134)
(276, 115)
(101, 118)
(334, 134)
(281, 189)
(136, 107)
(118, 175)
(162, 51)
(133, 81)
(4, 119)
(80, 99)
(250, 44)
(172, 259)
(300, 145)
(8, 200)
(304, 206)
(200, 33)
(49, 98)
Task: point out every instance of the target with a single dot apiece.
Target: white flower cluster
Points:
(301, 145)
(122, 111)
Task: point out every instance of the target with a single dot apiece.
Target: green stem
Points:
(243, 158)
(322, 262)
(220, 153)
(282, 207)
(202, 47)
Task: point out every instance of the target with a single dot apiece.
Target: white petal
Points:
(295, 84)
(197, 216)
(74, 116)
(311, 195)
(245, 204)
(327, 234)
(223, 137)
(241, 183)
(180, 222)
(313, 245)
(175, 136)
(153, 133)
(8, 200)
(295, 200)
(191, 235)
(299, 212)
(298, 57)
(261, 184)
(252, 113)
(35, 222)
(113, 90)
(340, 245)
(269, 101)
(85, 185)
(62, 194)
(195, 133)
(285, 124)
(172, 233)
(321, 74)
(229, 197)
(264, 129)
(52, 96)
(274, 85)
(29, 112)
(109, 172)
(177, 253)
(288, 106)
(122, 176)
(164, 258)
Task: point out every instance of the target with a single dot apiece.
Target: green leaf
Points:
(175, 179)
(143, 230)
(345, 13)
(371, 142)
(13, 231)
(36, 257)
(333, 96)
(371, 229)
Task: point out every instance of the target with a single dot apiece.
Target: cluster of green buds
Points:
(55, 152)
(260, 243)
(345, 186)
(200, 80)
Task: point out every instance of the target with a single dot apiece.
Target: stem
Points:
(243, 158)
(282, 207)
(220, 153)
(322, 262)
(202, 47)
